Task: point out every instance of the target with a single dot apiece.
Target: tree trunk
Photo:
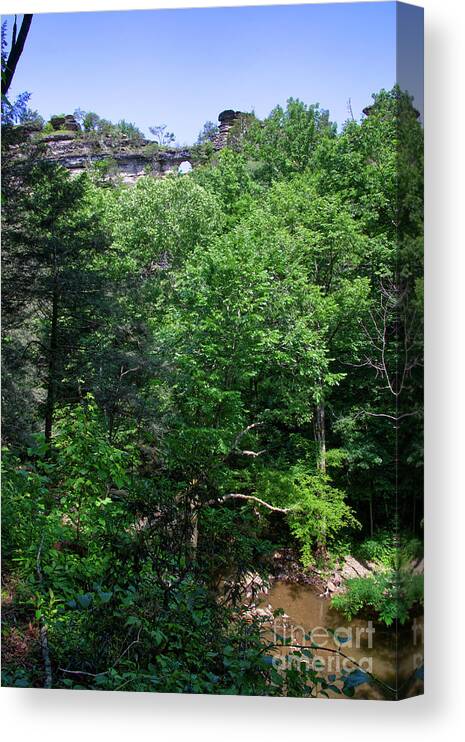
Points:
(195, 533)
(16, 50)
(320, 436)
(52, 366)
(192, 522)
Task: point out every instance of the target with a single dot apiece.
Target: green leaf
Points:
(84, 600)
(105, 597)
(133, 621)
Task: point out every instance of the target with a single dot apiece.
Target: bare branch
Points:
(244, 432)
(128, 371)
(245, 452)
(396, 418)
(235, 496)
(105, 672)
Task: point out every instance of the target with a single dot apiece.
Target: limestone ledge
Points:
(127, 159)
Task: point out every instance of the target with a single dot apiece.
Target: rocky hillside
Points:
(123, 157)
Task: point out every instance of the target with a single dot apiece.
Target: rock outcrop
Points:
(226, 120)
(118, 156)
(67, 123)
(129, 159)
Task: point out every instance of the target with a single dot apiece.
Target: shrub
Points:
(318, 512)
(391, 596)
(389, 549)
(379, 548)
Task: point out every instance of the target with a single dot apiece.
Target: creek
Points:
(388, 655)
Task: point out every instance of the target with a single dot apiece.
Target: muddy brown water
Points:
(376, 648)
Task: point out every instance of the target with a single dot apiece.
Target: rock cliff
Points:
(119, 156)
(130, 159)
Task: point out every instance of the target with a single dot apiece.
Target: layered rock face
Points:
(226, 120)
(128, 159)
(65, 122)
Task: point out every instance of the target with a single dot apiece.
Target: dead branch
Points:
(244, 432)
(128, 371)
(236, 496)
(245, 452)
(105, 672)
(396, 418)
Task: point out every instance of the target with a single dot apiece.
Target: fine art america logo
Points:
(330, 647)
(338, 650)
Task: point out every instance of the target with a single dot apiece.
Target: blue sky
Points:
(182, 67)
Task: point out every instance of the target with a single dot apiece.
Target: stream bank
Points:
(380, 658)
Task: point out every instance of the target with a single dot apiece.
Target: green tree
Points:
(284, 143)
(208, 133)
(229, 180)
(161, 135)
(51, 286)
(158, 223)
